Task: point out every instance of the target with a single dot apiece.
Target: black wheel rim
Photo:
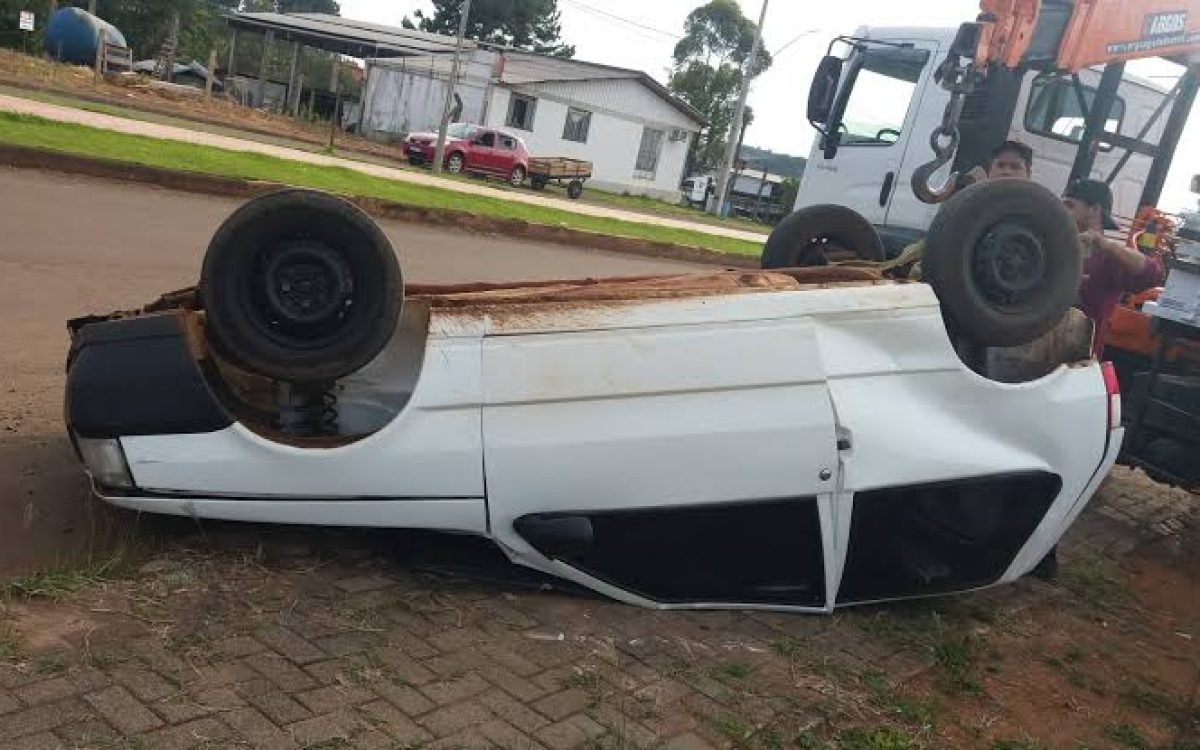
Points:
(1009, 265)
(304, 287)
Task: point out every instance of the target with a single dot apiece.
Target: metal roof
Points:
(529, 67)
(345, 36)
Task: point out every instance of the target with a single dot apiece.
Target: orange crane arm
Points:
(1098, 31)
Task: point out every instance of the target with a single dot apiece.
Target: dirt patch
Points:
(137, 93)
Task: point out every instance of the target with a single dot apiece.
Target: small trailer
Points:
(560, 169)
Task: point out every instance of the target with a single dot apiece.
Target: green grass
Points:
(919, 713)
(25, 130)
(663, 208)
(731, 672)
(1126, 735)
(1095, 580)
(10, 642)
(887, 738)
(945, 633)
(55, 583)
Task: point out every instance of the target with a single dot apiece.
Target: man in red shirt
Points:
(1110, 269)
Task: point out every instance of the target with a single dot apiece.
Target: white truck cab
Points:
(890, 102)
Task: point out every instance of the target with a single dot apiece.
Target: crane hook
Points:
(943, 153)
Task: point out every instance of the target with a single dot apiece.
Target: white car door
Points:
(677, 464)
(881, 89)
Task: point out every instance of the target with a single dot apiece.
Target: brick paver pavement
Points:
(279, 645)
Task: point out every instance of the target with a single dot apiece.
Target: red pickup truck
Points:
(471, 148)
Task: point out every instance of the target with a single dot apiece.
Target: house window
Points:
(648, 151)
(1055, 110)
(520, 111)
(577, 124)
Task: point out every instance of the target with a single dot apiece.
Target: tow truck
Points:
(797, 438)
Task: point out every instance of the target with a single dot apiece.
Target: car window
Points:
(882, 93)
(1058, 109)
(508, 143)
(487, 140)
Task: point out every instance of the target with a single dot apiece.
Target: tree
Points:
(533, 25)
(707, 71)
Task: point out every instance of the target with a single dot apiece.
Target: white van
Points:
(895, 103)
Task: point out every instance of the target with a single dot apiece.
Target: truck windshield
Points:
(883, 89)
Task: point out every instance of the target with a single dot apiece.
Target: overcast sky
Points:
(642, 33)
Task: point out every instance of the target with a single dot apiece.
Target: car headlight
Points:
(105, 461)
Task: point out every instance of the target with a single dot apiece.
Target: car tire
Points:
(574, 189)
(803, 236)
(1004, 260)
(300, 286)
(516, 177)
(456, 163)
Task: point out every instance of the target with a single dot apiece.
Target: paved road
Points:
(157, 130)
(73, 246)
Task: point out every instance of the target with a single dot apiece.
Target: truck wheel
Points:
(300, 286)
(804, 236)
(537, 183)
(1004, 259)
(574, 189)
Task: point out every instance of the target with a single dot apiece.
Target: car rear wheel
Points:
(455, 163)
(300, 286)
(517, 177)
(806, 237)
(1004, 260)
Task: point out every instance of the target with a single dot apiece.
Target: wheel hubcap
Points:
(307, 283)
(1009, 263)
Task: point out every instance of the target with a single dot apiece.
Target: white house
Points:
(635, 133)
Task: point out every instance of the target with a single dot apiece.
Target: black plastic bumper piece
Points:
(136, 376)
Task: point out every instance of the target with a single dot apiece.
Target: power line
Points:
(795, 39)
(606, 14)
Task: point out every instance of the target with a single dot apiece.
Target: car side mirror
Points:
(823, 90)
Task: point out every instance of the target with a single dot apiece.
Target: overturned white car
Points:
(796, 439)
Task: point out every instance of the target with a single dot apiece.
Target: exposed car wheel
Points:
(455, 163)
(804, 237)
(301, 286)
(1004, 259)
(517, 177)
(574, 189)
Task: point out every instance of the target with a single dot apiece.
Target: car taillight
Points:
(1113, 386)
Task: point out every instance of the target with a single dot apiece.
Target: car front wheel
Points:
(455, 164)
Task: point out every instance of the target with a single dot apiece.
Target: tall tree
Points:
(533, 25)
(707, 71)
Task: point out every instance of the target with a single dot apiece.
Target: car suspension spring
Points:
(307, 409)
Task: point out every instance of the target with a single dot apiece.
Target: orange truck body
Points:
(1099, 31)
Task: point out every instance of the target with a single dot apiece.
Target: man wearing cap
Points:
(1110, 269)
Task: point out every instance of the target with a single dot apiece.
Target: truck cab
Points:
(887, 101)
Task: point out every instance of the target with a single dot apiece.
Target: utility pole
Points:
(439, 153)
(736, 135)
